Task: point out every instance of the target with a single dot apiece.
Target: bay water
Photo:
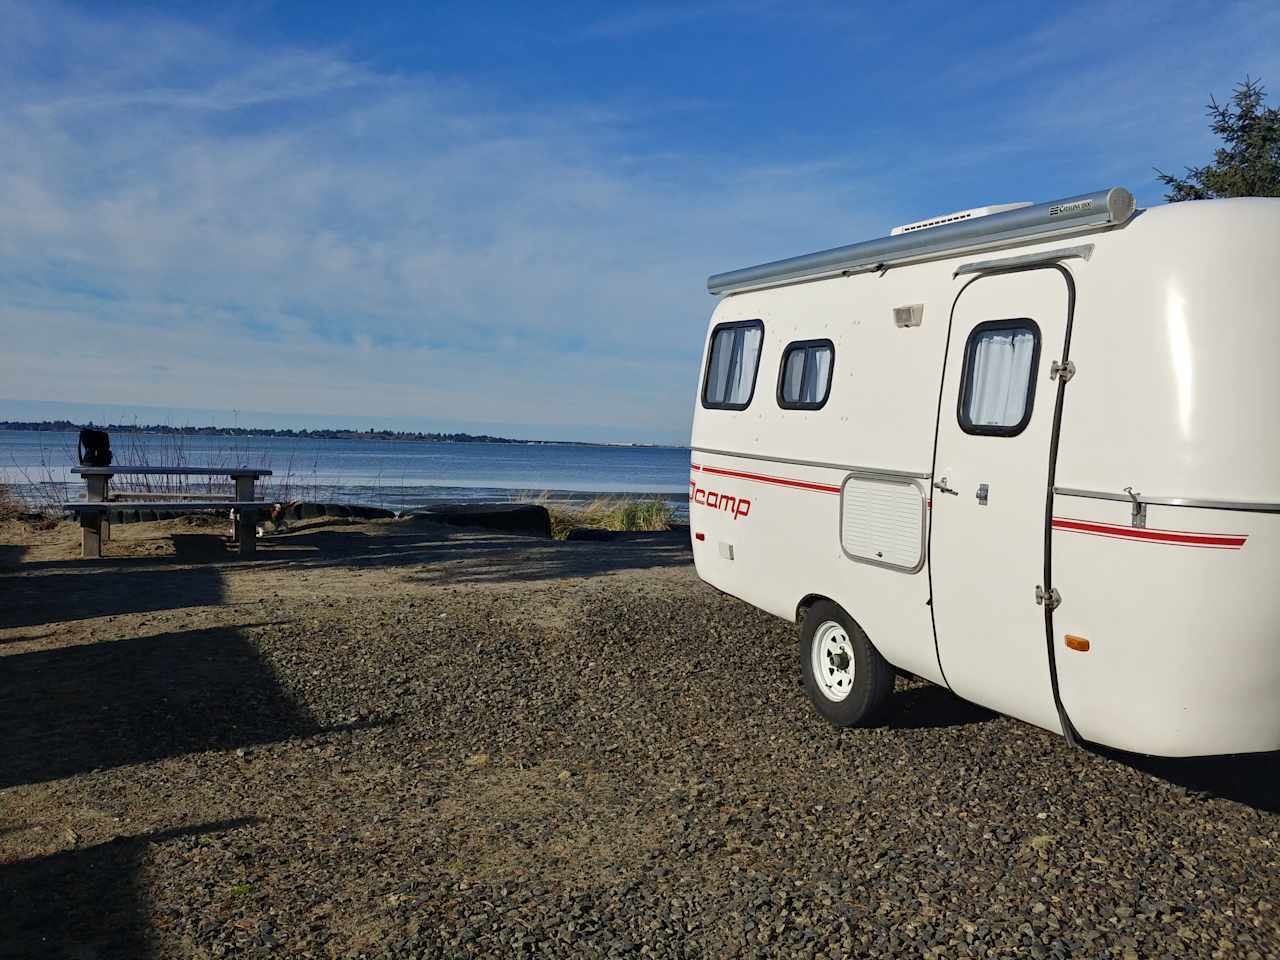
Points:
(395, 474)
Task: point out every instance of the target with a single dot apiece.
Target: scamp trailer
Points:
(1026, 452)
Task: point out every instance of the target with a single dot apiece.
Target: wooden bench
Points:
(94, 514)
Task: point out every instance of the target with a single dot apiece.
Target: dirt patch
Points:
(517, 823)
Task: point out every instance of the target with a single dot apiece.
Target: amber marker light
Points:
(1077, 643)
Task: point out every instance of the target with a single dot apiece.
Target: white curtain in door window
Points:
(1000, 376)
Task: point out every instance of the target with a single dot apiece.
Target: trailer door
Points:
(991, 470)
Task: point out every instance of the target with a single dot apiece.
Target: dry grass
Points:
(11, 505)
(606, 513)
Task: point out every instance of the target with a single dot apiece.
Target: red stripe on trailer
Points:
(1181, 538)
(777, 481)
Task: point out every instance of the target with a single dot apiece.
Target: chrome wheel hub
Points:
(833, 667)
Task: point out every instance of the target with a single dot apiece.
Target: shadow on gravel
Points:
(80, 708)
(60, 593)
(11, 554)
(929, 706)
(1251, 778)
(85, 903)
(481, 556)
(195, 547)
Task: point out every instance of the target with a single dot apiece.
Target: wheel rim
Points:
(832, 653)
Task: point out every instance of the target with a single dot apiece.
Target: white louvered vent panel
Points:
(882, 521)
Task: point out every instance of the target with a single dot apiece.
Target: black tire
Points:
(872, 681)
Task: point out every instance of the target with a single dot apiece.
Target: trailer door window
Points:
(804, 381)
(998, 387)
(732, 362)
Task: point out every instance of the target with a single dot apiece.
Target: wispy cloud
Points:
(1119, 86)
(289, 231)
(189, 218)
(295, 78)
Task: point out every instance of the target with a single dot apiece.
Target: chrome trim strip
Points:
(1081, 252)
(924, 519)
(873, 471)
(1247, 506)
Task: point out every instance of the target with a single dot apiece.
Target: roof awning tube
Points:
(1105, 208)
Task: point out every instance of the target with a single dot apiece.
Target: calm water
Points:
(396, 475)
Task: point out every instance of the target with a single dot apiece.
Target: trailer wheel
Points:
(844, 675)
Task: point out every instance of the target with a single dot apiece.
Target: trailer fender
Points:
(808, 601)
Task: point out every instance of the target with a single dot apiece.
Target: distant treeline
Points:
(63, 426)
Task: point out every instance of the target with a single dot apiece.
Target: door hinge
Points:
(1050, 600)
(1064, 371)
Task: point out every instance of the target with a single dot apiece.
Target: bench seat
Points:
(168, 495)
(94, 515)
(107, 506)
(96, 512)
(142, 468)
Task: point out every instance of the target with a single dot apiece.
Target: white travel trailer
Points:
(1026, 452)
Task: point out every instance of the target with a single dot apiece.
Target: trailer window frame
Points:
(966, 378)
(756, 324)
(805, 345)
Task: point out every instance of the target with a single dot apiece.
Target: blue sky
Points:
(500, 218)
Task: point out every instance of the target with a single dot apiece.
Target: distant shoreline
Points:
(66, 426)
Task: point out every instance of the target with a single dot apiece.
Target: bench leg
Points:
(91, 533)
(246, 527)
(91, 536)
(246, 530)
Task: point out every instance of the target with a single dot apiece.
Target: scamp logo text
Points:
(735, 506)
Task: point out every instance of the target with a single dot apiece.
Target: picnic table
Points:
(95, 511)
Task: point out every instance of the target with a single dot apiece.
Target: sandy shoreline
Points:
(397, 739)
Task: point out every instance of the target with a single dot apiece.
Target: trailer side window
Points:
(999, 385)
(804, 382)
(732, 363)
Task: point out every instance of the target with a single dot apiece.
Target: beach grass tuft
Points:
(11, 505)
(606, 513)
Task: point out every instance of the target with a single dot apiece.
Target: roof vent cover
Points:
(954, 217)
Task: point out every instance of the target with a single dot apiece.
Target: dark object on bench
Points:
(95, 448)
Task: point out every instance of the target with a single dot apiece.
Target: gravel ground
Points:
(395, 740)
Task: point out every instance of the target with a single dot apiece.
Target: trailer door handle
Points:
(941, 486)
(983, 490)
